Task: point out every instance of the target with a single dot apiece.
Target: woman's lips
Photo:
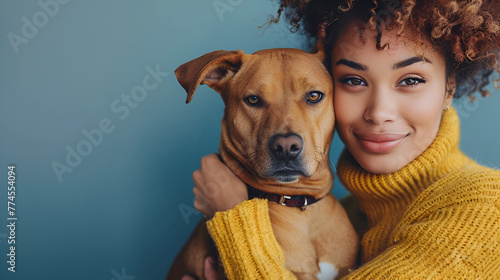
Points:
(380, 143)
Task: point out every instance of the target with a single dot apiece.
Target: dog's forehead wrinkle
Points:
(287, 57)
(305, 76)
(251, 75)
(305, 79)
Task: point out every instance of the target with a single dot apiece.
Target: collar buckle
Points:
(304, 207)
(283, 198)
(299, 201)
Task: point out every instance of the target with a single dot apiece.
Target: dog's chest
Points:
(327, 271)
(307, 254)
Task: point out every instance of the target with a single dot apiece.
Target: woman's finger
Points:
(210, 269)
(200, 203)
(216, 188)
(198, 177)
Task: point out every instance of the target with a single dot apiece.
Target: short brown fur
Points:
(282, 78)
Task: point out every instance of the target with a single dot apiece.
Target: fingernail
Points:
(211, 261)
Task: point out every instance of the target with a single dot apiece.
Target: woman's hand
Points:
(216, 188)
(209, 271)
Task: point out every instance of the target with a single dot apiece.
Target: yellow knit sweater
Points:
(437, 218)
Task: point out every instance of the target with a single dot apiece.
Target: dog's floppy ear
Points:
(213, 69)
(319, 48)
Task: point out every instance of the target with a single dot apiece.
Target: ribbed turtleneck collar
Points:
(383, 194)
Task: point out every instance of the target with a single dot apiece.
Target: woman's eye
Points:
(353, 82)
(412, 82)
(253, 100)
(314, 96)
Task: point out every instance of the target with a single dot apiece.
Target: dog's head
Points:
(279, 119)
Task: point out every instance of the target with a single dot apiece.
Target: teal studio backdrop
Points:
(102, 141)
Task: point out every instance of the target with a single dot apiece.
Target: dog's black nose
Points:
(286, 147)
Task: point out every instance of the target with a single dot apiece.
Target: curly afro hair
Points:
(467, 30)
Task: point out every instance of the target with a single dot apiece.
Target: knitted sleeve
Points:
(449, 233)
(246, 242)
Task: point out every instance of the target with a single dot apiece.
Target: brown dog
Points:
(276, 131)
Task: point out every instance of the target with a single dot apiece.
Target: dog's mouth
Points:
(287, 175)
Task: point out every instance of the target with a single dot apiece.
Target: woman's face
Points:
(388, 103)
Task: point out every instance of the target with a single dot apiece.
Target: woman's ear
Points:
(450, 90)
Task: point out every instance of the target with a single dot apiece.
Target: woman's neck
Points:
(383, 195)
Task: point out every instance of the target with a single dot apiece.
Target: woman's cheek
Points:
(423, 109)
(346, 114)
(348, 106)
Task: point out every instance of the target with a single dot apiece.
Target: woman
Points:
(431, 212)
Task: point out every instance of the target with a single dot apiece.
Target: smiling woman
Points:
(424, 210)
(389, 102)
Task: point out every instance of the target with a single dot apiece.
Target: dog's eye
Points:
(314, 96)
(253, 100)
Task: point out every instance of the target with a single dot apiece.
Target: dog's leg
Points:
(336, 241)
(290, 226)
(318, 243)
(191, 258)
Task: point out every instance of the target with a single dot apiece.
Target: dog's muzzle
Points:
(285, 151)
(286, 148)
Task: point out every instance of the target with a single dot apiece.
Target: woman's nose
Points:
(382, 107)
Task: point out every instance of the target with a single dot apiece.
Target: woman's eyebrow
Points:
(352, 64)
(410, 61)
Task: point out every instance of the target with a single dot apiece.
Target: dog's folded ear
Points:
(319, 48)
(213, 69)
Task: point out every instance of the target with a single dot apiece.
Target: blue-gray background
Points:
(125, 209)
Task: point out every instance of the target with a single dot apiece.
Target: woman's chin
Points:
(381, 164)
